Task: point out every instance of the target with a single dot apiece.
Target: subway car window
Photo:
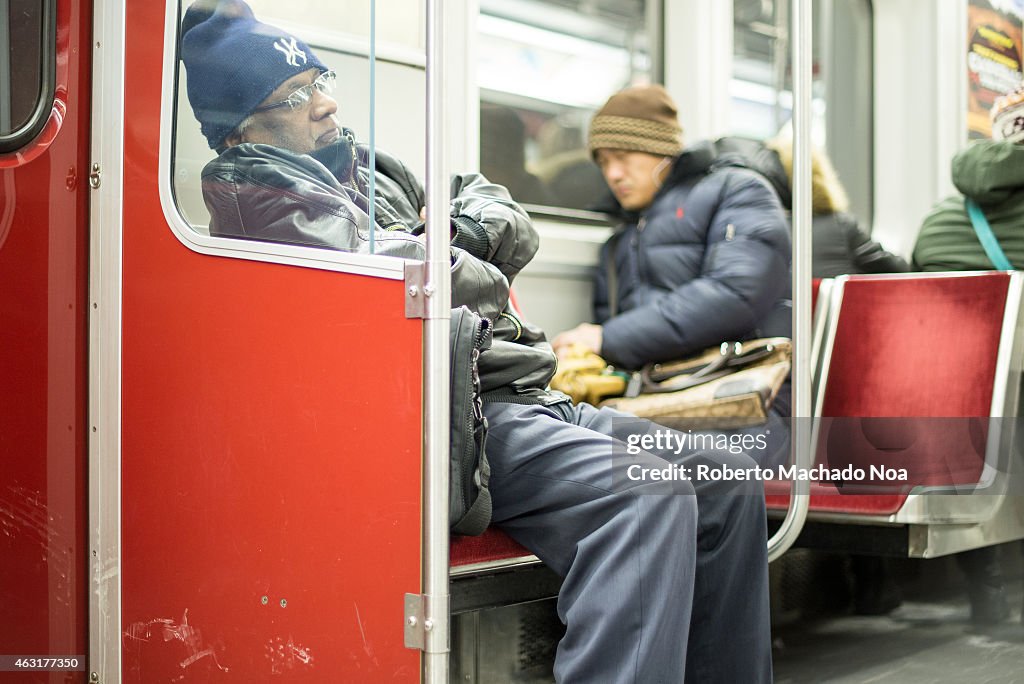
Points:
(545, 67)
(26, 69)
(334, 39)
(842, 104)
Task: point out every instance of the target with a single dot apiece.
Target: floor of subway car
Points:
(816, 635)
(929, 638)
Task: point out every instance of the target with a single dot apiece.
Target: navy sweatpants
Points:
(661, 580)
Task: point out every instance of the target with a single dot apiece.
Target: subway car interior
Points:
(226, 457)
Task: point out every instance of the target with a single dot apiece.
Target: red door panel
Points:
(271, 436)
(43, 371)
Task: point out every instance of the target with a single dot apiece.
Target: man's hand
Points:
(423, 217)
(585, 335)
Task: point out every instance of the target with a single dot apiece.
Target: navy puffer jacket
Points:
(708, 261)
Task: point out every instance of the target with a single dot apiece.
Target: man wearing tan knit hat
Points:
(631, 139)
(642, 118)
(701, 256)
(702, 251)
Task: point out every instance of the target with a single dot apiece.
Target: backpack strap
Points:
(986, 237)
(613, 276)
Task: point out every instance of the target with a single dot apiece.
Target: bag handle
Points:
(673, 382)
(656, 378)
(986, 237)
(740, 355)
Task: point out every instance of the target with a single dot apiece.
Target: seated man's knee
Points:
(672, 506)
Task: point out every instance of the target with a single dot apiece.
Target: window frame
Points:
(376, 265)
(654, 16)
(846, 85)
(27, 132)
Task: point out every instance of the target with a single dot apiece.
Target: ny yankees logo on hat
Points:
(291, 51)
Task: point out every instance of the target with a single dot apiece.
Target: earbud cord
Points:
(656, 172)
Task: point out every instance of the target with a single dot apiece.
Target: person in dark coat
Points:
(702, 251)
(701, 254)
(839, 245)
(641, 560)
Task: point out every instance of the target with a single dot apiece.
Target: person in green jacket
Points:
(990, 172)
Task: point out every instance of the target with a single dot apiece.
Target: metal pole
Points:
(436, 406)
(801, 432)
(372, 190)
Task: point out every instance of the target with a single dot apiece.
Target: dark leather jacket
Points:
(261, 192)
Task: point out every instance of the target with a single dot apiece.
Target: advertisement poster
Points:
(994, 49)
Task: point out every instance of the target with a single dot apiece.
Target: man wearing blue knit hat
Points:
(235, 62)
(638, 570)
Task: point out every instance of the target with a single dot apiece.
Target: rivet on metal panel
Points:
(284, 602)
(265, 600)
(96, 176)
(94, 677)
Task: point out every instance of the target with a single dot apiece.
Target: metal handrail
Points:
(800, 432)
(436, 363)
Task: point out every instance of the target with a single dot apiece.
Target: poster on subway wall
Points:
(994, 49)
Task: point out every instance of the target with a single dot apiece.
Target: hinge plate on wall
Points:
(415, 290)
(415, 635)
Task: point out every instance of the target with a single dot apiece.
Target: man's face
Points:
(301, 130)
(634, 177)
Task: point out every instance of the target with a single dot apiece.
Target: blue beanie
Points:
(233, 62)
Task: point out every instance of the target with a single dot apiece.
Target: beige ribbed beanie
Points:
(640, 119)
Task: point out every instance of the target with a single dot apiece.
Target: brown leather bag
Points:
(732, 385)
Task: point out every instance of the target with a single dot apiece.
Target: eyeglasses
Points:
(301, 97)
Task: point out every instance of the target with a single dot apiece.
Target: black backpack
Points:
(469, 504)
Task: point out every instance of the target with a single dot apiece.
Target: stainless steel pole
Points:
(436, 406)
(801, 433)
